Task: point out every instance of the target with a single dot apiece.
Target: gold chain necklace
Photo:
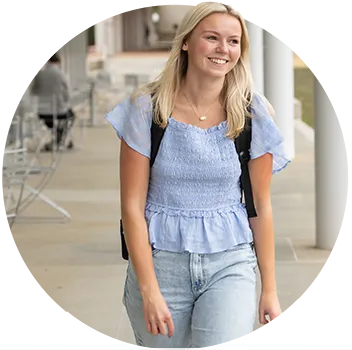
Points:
(203, 117)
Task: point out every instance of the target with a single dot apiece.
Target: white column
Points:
(109, 36)
(330, 170)
(65, 60)
(348, 182)
(74, 60)
(256, 42)
(99, 37)
(118, 33)
(279, 87)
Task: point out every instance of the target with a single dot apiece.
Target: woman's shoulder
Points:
(132, 107)
(141, 102)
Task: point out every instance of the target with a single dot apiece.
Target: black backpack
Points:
(242, 143)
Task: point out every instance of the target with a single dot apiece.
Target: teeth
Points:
(218, 61)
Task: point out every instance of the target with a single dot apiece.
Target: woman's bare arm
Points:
(134, 179)
(262, 225)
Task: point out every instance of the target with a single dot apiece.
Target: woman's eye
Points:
(212, 37)
(234, 41)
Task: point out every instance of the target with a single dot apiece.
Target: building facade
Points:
(136, 31)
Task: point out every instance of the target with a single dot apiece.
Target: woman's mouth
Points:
(218, 61)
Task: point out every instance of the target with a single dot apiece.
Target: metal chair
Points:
(22, 165)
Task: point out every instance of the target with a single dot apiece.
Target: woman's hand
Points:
(157, 315)
(269, 305)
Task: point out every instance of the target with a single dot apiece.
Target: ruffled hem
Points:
(157, 208)
(280, 161)
(284, 162)
(197, 231)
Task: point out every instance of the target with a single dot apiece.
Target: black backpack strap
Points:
(156, 135)
(243, 144)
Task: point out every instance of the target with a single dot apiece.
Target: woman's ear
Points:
(185, 47)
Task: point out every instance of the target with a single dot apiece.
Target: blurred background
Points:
(61, 275)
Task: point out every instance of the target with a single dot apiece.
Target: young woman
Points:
(191, 279)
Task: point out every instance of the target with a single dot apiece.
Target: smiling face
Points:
(214, 46)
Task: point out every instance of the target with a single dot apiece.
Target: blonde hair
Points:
(237, 89)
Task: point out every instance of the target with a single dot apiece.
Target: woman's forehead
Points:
(222, 23)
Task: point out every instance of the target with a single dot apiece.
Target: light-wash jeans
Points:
(211, 297)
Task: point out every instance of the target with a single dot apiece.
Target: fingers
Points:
(163, 326)
(170, 326)
(262, 317)
(157, 317)
(266, 317)
(149, 327)
(155, 329)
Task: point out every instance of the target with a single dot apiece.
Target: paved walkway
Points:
(78, 263)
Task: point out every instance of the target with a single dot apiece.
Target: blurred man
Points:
(52, 88)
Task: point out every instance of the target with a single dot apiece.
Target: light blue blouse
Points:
(193, 202)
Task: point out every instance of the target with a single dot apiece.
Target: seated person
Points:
(52, 88)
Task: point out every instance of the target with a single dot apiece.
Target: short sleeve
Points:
(266, 136)
(132, 123)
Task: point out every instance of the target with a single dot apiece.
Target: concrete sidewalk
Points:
(78, 263)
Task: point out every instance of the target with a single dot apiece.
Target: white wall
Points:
(171, 14)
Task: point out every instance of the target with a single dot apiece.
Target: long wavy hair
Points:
(236, 94)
